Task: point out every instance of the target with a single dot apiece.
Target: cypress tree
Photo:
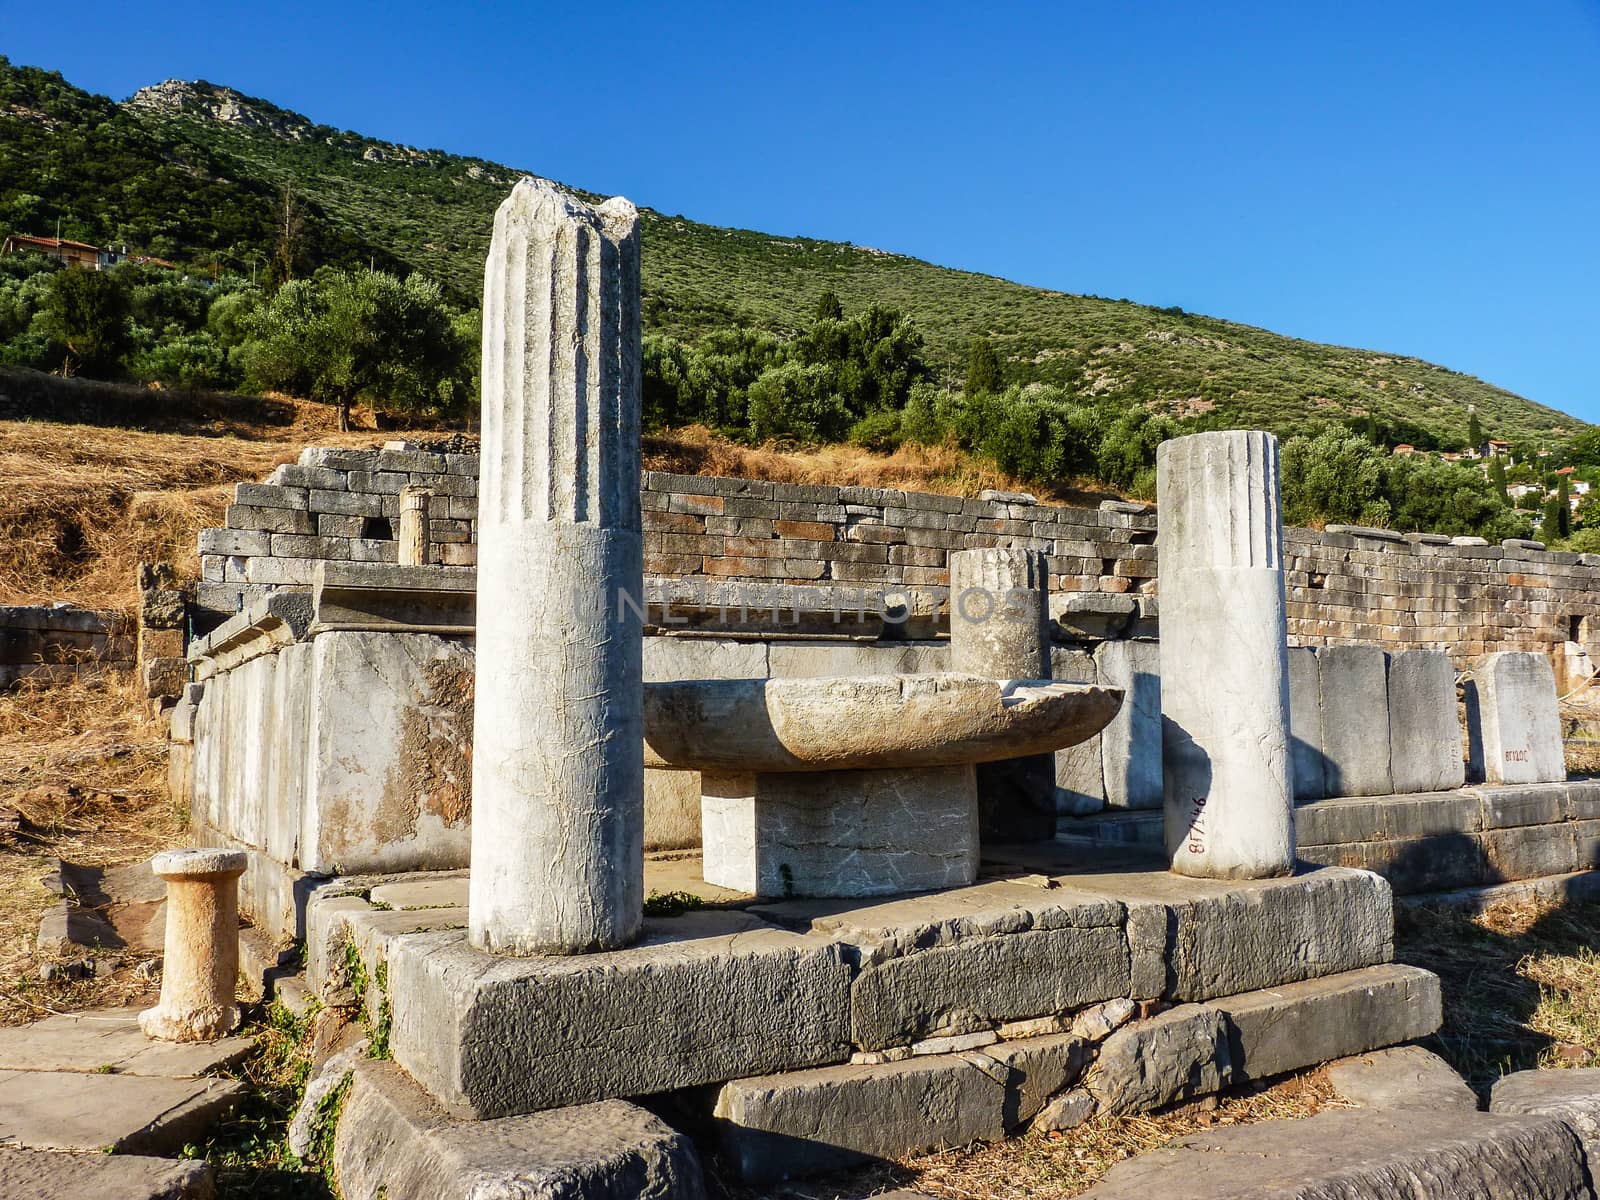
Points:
(1474, 431)
(983, 369)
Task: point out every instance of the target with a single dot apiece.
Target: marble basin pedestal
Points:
(857, 786)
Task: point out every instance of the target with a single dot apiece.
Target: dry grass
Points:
(86, 771)
(943, 470)
(1039, 1166)
(1521, 984)
(85, 504)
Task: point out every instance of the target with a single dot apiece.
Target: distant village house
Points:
(76, 254)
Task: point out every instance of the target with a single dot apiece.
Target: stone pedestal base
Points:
(202, 1024)
(841, 833)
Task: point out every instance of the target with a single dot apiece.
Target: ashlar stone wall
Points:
(1344, 585)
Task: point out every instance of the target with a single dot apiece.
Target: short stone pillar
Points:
(1229, 811)
(200, 964)
(1000, 629)
(414, 504)
(558, 756)
(1514, 719)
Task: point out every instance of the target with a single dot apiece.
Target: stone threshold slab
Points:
(108, 1041)
(53, 1175)
(792, 985)
(126, 1114)
(1419, 1154)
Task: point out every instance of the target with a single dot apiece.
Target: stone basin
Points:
(853, 786)
(864, 722)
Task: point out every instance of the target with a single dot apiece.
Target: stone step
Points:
(395, 1143)
(51, 1175)
(1422, 842)
(109, 1041)
(1572, 1097)
(801, 1122)
(1338, 1154)
(855, 975)
(1401, 1077)
(128, 1114)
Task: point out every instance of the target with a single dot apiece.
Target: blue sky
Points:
(1420, 178)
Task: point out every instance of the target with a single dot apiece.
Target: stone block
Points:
(270, 520)
(671, 809)
(1411, 865)
(389, 784)
(1305, 727)
(395, 1143)
(160, 643)
(1301, 1024)
(1402, 1077)
(1130, 746)
(1513, 723)
(1080, 778)
(164, 677)
(235, 541)
(494, 1036)
(670, 658)
(46, 1175)
(1529, 804)
(1340, 1154)
(1529, 851)
(1385, 818)
(1008, 965)
(1353, 686)
(1424, 731)
(1271, 932)
(1181, 1054)
(1572, 1097)
(1091, 616)
(815, 660)
(804, 1122)
(1038, 1068)
(840, 833)
(128, 1114)
(268, 495)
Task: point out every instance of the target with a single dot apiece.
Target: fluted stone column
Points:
(1224, 657)
(558, 766)
(413, 547)
(1000, 629)
(200, 958)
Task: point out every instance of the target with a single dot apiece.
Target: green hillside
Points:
(193, 172)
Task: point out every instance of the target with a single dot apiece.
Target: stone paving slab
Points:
(1373, 1155)
(1401, 1077)
(1572, 1096)
(396, 1143)
(52, 1175)
(131, 1114)
(110, 1037)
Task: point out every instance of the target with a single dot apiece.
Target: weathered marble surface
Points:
(840, 833)
(1225, 676)
(866, 722)
(1513, 719)
(558, 771)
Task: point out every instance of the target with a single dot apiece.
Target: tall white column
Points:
(558, 757)
(1224, 657)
